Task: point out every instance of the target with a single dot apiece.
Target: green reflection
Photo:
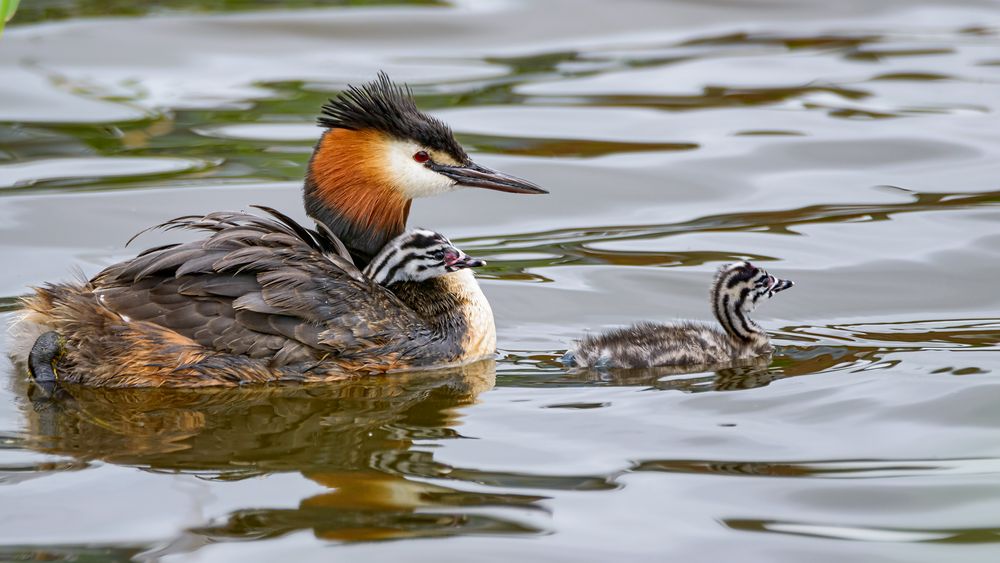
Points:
(74, 553)
(7, 10)
(47, 10)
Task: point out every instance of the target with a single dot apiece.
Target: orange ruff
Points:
(349, 179)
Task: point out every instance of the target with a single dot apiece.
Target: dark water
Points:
(851, 146)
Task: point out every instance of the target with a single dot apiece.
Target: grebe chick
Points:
(417, 255)
(300, 310)
(736, 291)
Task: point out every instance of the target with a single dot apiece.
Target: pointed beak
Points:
(470, 262)
(781, 285)
(476, 176)
(462, 260)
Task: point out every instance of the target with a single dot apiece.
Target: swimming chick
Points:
(737, 290)
(377, 153)
(311, 312)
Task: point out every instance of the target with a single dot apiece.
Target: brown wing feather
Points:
(265, 288)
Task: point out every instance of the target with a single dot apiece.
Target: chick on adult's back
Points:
(259, 288)
(260, 300)
(736, 291)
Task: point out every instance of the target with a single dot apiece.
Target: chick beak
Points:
(470, 262)
(459, 260)
(781, 285)
(475, 176)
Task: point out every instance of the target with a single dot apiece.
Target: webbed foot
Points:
(42, 360)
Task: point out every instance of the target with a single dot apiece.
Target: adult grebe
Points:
(314, 314)
(378, 152)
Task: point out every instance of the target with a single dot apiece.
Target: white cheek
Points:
(413, 178)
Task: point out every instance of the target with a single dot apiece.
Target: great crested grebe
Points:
(315, 315)
(378, 152)
(736, 291)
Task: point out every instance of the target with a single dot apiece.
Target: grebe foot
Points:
(45, 353)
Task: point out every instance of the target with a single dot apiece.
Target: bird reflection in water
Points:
(747, 373)
(751, 373)
(357, 437)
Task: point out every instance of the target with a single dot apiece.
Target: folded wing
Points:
(264, 287)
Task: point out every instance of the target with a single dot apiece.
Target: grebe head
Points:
(418, 255)
(737, 290)
(378, 153)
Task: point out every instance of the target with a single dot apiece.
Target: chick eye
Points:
(438, 254)
(421, 156)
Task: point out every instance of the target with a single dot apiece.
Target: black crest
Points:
(391, 109)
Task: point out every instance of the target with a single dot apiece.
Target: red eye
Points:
(421, 156)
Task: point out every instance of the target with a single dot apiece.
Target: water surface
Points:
(852, 147)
